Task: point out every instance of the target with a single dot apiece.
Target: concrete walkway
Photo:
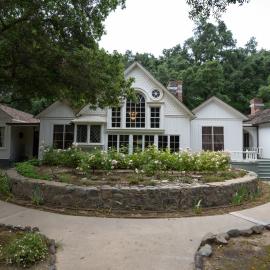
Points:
(90, 243)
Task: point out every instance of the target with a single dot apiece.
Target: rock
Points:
(52, 248)
(198, 261)
(222, 238)
(247, 232)
(205, 250)
(35, 229)
(258, 229)
(267, 227)
(208, 239)
(52, 267)
(233, 233)
(52, 259)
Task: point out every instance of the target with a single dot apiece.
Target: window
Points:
(63, 136)
(69, 136)
(155, 117)
(135, 113)
(95, 134)
(148, 140)
(174, 143)
(112, 141)
(137, 143)
(162, 142)
(81, 133)
(116, 117)
(123, 143)
(2, 136)
(155, 94)
(213, 138)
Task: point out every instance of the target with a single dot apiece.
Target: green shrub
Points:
(27, 169)
(70, 157)
(5, 188)
(26, 251)
(151, 161)
(37, 196)
(242, 195)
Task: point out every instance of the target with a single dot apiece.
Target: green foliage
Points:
(197, 209)
(5, 188)
(210, 63)
(70, 157)
(26, 250)
(37, 196)
(64, 178)
(29, 169)
(204, 9)
(243, 194)
(150, 162)
(49, 50)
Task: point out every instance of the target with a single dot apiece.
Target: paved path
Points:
(91, 243)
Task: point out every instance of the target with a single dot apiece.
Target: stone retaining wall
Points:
(158, 198)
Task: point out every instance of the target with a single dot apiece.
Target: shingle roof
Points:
(18, 116)
(260, 117)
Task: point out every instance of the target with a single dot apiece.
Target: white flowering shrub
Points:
(70, 157)
(150, 161)
(26, 250)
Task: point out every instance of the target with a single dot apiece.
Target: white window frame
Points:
(88, 142)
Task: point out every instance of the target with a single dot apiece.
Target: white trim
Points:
(151, 77)
(225, 105)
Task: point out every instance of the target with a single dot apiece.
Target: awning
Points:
(90, 119)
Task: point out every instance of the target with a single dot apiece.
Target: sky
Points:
(153, 25)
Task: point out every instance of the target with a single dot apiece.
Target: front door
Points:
(35, 143)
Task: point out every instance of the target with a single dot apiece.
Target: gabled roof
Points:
(261, 117)
(18, 116)
(51, 107)
(222, 103)
(152, 78)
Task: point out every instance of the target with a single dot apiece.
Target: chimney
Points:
(256, 105)
(175, 87)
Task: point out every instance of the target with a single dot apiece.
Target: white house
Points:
(19, 135)
(257, 128)
(158, 117)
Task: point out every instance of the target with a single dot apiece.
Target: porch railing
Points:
(248, 154)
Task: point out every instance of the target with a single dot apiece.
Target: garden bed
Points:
(125, 177)
(146, 181)
(247, 249)
(169, 197)
(22, 248)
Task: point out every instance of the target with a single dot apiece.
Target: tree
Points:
(209, 41)
(48, 49)
(202, 82)
(205, 8)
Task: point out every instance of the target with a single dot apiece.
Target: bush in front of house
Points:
(26, 250)
(150, 161)
(29, 169)
(5, 188)
(70, 157)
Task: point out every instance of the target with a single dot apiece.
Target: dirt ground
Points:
(242, 253)
(129, 177)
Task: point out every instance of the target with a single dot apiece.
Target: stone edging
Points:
(205, 247)
(52, 245)
(146, 198)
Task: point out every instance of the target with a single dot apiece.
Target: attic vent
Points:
(175, 87)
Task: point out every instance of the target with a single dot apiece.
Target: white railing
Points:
(250, 154)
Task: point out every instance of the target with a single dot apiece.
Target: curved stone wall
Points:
(158, 198)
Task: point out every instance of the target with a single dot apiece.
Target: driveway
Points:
(91, 243)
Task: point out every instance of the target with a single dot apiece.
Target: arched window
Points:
(135, 112)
